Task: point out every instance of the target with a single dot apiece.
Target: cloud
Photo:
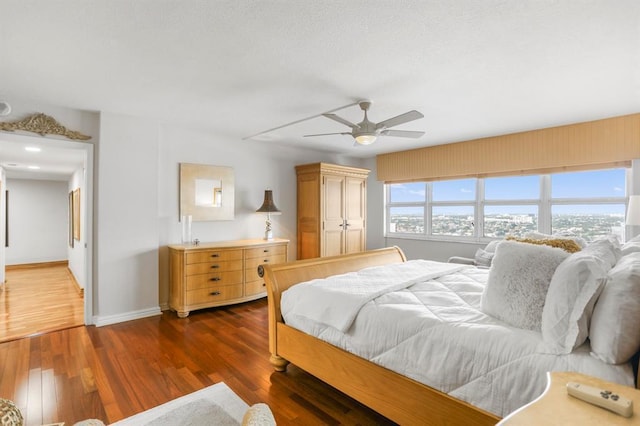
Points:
(466, 191)
(618, 189)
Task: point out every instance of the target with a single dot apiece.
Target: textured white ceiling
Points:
(236, 68)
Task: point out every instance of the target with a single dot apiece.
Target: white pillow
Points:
(573, 292)
(607, 250)
(518, 281)
(614, 331)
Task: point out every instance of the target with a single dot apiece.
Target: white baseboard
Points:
(99, 320)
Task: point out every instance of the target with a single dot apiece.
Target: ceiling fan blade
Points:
(400, 119)
(341, 120)
(328, 134)
(402, 133)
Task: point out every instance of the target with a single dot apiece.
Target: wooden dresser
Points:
(220, 273)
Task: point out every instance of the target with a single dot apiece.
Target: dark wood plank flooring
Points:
(113, 372)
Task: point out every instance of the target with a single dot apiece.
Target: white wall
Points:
(3, 188)
(126, 242)
(37, 221)
(375, 208)
(77, 253)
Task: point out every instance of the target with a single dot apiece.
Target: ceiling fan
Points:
(366, 132)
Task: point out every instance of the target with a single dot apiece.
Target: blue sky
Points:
(592, 184)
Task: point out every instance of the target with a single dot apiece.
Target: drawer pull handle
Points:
(215, 279)
(264, 284)
(214, 293)
(265, 251)
(215, 255)
(260, 271)
(266, 261)
(215, 266)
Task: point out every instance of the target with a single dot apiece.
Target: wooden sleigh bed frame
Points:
(399, 398)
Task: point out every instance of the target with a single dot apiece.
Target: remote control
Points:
(602, 398)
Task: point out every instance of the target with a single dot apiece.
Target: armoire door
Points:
(333, 215)
(355, 213)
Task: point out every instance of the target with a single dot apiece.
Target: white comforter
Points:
(434, 332)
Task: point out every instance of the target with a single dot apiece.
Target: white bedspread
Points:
(434, 332)
(336, 301)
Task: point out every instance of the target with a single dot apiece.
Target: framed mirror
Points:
(206, 192)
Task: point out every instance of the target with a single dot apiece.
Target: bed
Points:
(399, 397)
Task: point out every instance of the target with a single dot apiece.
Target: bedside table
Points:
(556, 407)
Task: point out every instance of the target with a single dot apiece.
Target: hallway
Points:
(37, 300)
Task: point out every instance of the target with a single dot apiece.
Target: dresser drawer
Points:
(265, 251)
(214, 294)
(251, 265)
(214, 266)
(215, 255)
(214, 279)
(255, 287)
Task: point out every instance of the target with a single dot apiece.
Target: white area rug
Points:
(214, 405)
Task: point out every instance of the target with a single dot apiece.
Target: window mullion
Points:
(479, 213)
(544, 208)
(428, 208)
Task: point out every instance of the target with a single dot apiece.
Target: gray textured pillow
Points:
(518, 282)
(483, 258)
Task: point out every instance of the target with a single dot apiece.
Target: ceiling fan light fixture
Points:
(365, 139)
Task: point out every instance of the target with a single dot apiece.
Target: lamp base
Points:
(268, 235)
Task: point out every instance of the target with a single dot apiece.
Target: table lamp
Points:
(268, 207)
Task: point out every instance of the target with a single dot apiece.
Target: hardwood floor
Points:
(37, 300)
(115, 371)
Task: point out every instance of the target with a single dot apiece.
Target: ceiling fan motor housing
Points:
(366, 132)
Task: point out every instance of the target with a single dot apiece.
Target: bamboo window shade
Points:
(607, 143)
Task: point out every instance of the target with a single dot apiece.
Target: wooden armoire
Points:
(332, 209)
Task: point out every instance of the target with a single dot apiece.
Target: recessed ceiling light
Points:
(34, 167)
(32, 149)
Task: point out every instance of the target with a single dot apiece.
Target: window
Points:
(590, 204)
(511, 206)
(407, 220)
(454, 190)
(503, 220)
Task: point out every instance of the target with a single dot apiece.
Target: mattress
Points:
(432, 330)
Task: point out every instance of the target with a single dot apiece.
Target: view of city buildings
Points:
(587, 226)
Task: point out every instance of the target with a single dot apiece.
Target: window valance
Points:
(611, 142)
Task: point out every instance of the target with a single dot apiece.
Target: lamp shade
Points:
(633, 211)
(268, 206)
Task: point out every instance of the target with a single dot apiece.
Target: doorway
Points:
(57, 158)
